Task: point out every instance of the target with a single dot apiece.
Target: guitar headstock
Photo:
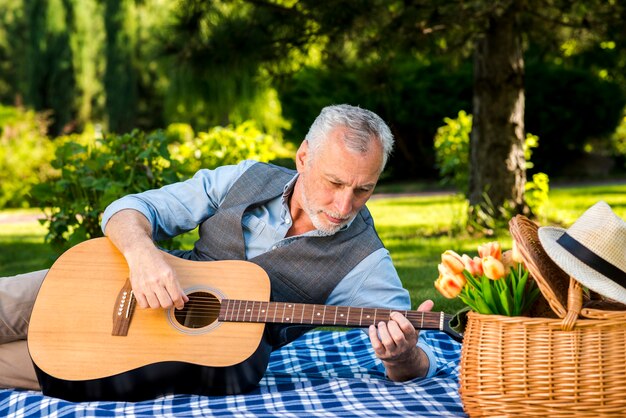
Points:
(455, 335)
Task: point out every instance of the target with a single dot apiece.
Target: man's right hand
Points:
(153, 280)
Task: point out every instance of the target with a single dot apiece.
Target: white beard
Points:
(317, 220)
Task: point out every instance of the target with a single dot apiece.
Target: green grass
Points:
(22, 248)
(416, 230)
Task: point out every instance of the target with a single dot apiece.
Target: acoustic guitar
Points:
(88, 342)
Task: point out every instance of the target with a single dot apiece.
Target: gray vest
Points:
(304, 271)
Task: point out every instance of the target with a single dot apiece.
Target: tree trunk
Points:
(497, 164)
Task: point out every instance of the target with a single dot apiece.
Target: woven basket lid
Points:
(551, 280)
(554, 282)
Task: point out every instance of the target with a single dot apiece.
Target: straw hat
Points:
(592, 250)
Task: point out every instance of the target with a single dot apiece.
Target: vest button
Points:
(273, 247)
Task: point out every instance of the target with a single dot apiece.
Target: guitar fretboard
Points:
(233, 310)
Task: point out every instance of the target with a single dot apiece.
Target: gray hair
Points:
(361, 126)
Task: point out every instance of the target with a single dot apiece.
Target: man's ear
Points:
(301, 156)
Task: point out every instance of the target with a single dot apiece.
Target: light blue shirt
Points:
(181, 207)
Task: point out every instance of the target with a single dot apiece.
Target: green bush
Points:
(95, 172)
(618, 139)
(452, 153)
(25, 154)
(223, 145)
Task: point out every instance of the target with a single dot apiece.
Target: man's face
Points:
(336, 182)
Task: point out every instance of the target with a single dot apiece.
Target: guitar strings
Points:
(208, 306)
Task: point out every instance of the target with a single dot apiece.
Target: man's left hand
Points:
(395, 343)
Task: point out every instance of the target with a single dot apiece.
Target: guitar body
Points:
(77, 357)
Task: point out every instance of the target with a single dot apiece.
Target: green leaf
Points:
(506, 302)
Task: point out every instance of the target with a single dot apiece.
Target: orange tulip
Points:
(493, 268)
(450, 285)
(452, 261)
(473, 265)
(509, 261)
(490, 249)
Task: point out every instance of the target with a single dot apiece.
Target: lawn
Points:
(416, 230)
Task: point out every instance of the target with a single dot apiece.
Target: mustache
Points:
(336, 215)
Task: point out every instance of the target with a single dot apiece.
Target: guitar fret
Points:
(235, 310)
(229, 315)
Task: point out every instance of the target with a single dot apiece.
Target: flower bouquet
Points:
(491, 283)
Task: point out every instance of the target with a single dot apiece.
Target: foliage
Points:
(567, 108)
(215, 53)
(412, 94)
(148, 63)
(618, 139)
(93, 173)
(513, 295)
(536, 193)
(492, 283)
(49, 63)
(120, 79)
(452, 151)
(223, 145)
(25, 154)
(12, 42)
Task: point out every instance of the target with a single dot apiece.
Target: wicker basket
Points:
(550, 367)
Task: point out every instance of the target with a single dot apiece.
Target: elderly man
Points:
(309, 229)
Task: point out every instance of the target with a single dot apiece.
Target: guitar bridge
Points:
(123, 310)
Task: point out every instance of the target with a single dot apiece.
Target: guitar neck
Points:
(233, 310)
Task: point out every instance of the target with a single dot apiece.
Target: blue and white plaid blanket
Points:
(322, 374)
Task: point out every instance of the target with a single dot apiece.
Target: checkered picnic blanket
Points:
(322, 374)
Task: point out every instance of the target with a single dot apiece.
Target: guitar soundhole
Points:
(202, 310)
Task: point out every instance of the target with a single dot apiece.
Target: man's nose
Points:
(344, 201)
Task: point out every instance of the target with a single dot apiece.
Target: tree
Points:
(120, 79)
(50, 77)
(494, 32)
(497, 165)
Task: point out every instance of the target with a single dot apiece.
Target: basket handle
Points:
(574, 304)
